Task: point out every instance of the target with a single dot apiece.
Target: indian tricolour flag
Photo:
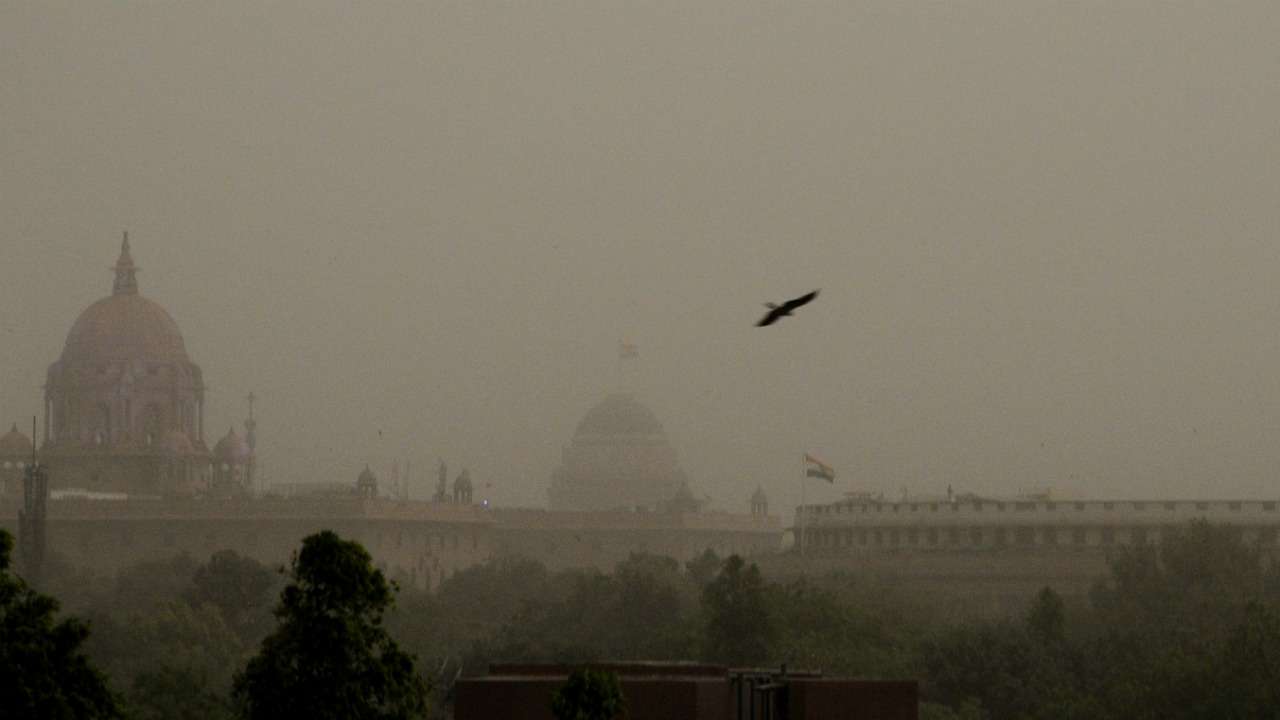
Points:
(815, 468)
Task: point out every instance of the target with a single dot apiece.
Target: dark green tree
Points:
(240, 587)
(817, 628)
(1047, 618)
(1166, 615)
(330, 656)
(172, 634)
(740, 628)
(1246, 675)
(589, 695)
(140, 587)
(703, 568)
(1194, 588)
(476, 602)
(577, 626)
(645, 610)
(650, 609)
(172, 693)
(1003, 669)
(44, 673)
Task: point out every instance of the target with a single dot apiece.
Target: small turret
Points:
(759, 503)
(15, 454)
(462, 488)
(683, 501)
(442, 484)
(367, 483)
(230, 464)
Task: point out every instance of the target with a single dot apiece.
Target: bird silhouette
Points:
(777, 312)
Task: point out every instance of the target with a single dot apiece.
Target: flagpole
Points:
(803, 509)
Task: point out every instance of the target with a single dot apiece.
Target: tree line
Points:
(1188, 629)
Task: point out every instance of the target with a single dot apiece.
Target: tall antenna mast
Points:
(251, 439)
(628, 366)
(32, 517)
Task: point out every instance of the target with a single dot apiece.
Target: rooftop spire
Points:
(126, 272)
(251, 425)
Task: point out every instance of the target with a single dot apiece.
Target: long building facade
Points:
(989, 556)
(863, 526)
(421, 543)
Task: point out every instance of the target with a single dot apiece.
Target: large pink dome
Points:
(124, 404)
(123, 328)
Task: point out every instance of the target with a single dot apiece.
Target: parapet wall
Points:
(529, 519)
(259, 508)
(1015, 513)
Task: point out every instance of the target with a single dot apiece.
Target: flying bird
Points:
(777, 312)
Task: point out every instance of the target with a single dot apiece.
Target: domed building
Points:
(124, 404)
(759, 503)
(619, 458)
(232, 460)
(367, 483)
(15, 453)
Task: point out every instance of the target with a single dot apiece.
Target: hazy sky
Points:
(1047, 234)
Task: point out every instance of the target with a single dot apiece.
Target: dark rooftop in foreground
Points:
(691, 691)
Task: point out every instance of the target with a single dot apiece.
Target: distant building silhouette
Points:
(462, 489)
(231, 465)
(866, 527)
(132, 478)
(759, 503)
(619, 458)
(15, 453)
(442, 484)
(367, 484)
(124, 404)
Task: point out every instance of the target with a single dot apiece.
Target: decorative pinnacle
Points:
(126, 272)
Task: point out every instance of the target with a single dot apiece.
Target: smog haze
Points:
(1045, 233)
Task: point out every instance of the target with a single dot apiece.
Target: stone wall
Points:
(421, 543)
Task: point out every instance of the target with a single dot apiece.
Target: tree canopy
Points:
(589, 695)
(235, 584)
(330, 656)
(1184, 629)
(740, 627)
(44, 673)
(1187, 629)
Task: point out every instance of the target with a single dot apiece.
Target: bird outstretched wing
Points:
(771, 317)
(798, 302)
(783, 310)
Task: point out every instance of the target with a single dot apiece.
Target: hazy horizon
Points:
(1045, 233)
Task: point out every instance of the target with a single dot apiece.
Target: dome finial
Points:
(126, 272)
